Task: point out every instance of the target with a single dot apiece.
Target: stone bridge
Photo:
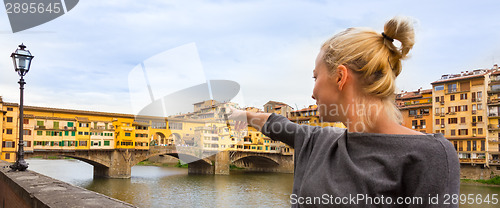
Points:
(113, 163)
(117, 163)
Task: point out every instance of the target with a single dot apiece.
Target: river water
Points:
(160, 187)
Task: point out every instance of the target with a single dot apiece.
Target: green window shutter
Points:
(39, 133)
(91, 143)
(72, 133)
(106, 143)
(70, 124)
(39, 123)
(99, 143)
(56, 125)
(66, 133)
(51, 143)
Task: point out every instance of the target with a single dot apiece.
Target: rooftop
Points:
(463, 75)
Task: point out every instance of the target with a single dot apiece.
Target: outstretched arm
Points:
(242, 118)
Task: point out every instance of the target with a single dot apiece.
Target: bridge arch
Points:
(189, 158)
(175, 138)
(256, 159)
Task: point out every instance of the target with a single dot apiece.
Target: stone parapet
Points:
(31, 189)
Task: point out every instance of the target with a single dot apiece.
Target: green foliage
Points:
(234, 167)
(493, 181)
(179, 165)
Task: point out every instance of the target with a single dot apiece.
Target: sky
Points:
(84, 58)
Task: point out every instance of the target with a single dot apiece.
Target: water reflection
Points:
(173, 187)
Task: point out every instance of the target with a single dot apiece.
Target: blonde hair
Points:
(374, 58)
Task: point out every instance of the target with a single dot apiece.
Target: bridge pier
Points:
(120, 165)
(219, 166)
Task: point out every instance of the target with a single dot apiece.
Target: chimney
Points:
(495, 67)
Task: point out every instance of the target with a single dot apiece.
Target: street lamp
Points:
(22, 62)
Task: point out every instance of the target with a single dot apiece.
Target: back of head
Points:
(373, 56)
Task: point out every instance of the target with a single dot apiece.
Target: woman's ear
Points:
(342, 75)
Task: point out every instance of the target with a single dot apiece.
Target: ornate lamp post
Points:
(22, 62)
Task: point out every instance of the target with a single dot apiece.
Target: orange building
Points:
(416, 109)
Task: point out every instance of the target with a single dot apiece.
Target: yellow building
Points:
(71, 130)
(493, 102)
(310, 116)
(278, 108)
(416, 109)
(460, 114)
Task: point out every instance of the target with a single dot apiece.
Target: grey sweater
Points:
(336, 168)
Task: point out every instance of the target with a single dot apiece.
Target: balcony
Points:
(437, 114)
(474, 112)
(442, 114)
(442, 102)
(479, 160)
(452, 113)
(442, 125)
(474, 123)
(40, 127)
(419, 116)
(493, 126)
(493, 115)
(465, 160)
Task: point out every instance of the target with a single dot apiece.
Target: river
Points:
(160, 187)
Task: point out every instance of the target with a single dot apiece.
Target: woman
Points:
(375, 161)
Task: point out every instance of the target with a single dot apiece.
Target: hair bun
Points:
(401, 29)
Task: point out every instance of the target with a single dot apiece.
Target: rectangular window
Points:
(452, 88)
(106, 143)
(7, 156)
(452, 132)
(480, 119)
(468, 146)
(439, 87)
(463, 96)
(10, 109)
(437, 99)
(70, 124)
(80, 133)
(39, 123)
(480, 106)
(56, 125)
(437, 121)
(473, 96)
(412, 112)
(66, 133)
(86, 133)
(9, 131)
(26, 121)
(72, 133)
(452, 97)
(479, 96)
(127, 134)
(9, 119)
(482, 145)
(480, 131)
(26, 132)
(462, 120)
(39, 133)
(474, 146)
